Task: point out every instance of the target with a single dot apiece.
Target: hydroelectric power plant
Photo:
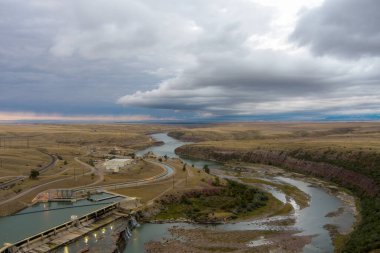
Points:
(53, 226)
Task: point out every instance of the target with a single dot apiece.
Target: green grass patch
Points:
(301, 198)
(232, 201)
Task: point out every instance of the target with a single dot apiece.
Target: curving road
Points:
(40, 170)
(48, 183)
(168, 172)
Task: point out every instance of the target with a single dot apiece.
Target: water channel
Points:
(309, 221)
(43, 216)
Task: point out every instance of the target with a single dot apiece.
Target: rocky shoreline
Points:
(322, 170)
(201, 240)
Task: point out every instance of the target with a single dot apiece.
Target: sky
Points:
(170, 60)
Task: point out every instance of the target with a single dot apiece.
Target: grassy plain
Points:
(24, 147)
(353, 146)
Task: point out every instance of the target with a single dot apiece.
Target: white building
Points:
(115, 165)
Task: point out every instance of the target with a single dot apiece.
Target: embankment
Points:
(366, 236)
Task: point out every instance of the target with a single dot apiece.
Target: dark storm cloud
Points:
(33, 79)
(199, 58)
(344, 28)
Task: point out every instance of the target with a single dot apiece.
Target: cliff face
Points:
(344, 177)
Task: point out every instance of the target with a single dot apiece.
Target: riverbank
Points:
(306, 216)
(221, 201)
(204, 241)
(341, 237)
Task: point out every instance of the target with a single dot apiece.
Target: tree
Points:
(216, 181)
(184, 167)
(34, 174)
(65, 162)
(206, 169)
(91, 162)
(160, 159)
(166, 157)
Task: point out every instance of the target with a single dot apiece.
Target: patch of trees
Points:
(357, 170)
(91, 162)
(206, 169)
(34, 174)
(200, 205)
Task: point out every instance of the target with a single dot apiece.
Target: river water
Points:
(168, 149)
(309, 221)
(43, 216)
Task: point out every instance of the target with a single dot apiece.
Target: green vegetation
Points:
(352, 146)
(91, 162)
(206, 169)
(301, 198)
(366, 236)
(211, 205)
(34, 174)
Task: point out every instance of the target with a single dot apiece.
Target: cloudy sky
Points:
(189, 60)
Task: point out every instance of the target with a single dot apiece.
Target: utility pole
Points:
(186, 177)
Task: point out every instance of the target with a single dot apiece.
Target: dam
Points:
(46, 226)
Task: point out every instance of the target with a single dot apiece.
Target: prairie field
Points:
(345, 153)
(24, 147)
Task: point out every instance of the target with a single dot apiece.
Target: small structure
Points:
(115, 165)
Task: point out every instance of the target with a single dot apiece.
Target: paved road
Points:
(41, 170)
(94, 170)
(168, 172)
(48, 183)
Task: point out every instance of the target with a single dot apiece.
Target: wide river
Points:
(309, 221)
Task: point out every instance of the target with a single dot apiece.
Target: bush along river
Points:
(310, 227)
(325, 214)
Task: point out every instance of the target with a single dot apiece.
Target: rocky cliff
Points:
(345, 177)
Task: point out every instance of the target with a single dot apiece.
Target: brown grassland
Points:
(351, 148)
(25, 147)
(346, 153)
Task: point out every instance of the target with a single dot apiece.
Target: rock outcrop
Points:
(344, 177)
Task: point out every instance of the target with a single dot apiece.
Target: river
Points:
(309, 221)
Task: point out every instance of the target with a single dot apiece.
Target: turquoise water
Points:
(43, 216)
(168, 148)
(309, 220)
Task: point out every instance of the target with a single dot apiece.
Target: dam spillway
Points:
(42, 217)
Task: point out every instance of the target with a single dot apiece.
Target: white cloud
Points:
(209, 58)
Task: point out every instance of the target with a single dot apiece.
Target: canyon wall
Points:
(326, 171)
